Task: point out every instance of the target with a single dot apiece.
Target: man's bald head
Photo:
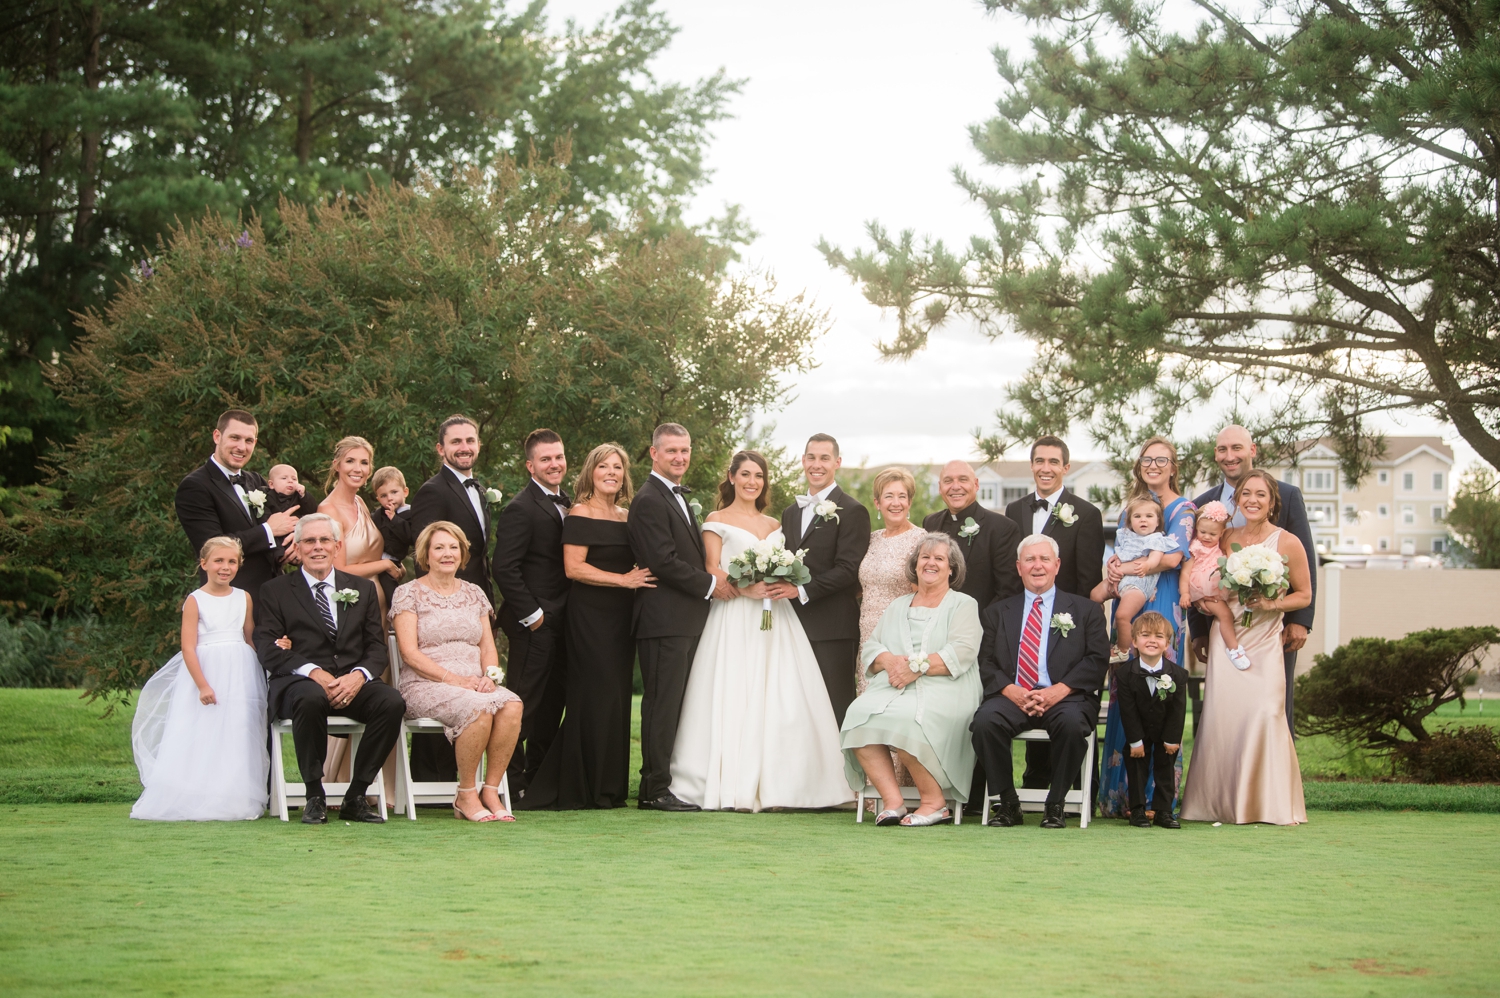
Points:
(958, 485)
(1234, 453)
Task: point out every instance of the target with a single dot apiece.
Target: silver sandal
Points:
(923, 820)
(890, 816)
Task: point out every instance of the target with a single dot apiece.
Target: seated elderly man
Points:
(1043, 658)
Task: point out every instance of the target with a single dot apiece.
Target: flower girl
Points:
(1139, 547)
(1200, 578)
(200, 728)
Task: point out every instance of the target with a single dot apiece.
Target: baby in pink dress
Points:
(1200, 577)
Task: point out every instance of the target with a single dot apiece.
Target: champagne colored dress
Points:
(882, 579)
(1244, 767)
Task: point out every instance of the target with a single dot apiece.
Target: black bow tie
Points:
(471, 483)
(1037, 504)
(682, 490)
(561, 500)
(237, 479)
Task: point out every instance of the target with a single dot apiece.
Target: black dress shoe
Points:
(1006, 814)
(315, 811)
(359, 809)
(1164, 819)
(1052, 816)
(1138, 819)
(668, 802)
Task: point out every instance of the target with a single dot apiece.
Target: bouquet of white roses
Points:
(764, 561)
(1253, 571)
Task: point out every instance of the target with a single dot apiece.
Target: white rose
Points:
(784, 558)
(1242, 577)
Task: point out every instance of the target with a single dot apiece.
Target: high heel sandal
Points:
(503, 815)
(483, 814)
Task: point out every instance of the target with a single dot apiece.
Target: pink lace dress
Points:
(449, 629)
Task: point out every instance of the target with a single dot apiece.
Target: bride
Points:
(757, 728)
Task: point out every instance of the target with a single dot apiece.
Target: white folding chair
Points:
(911, 795)
(284, 794)
(409, 792)
(1033, 800)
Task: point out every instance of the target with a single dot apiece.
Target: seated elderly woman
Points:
(443, 630)
(922, 692)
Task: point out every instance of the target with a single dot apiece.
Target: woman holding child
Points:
(1154, 479)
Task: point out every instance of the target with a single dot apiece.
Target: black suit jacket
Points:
(1081, 546)
(1293, 520)
(663, 541)
(208, 506)
(285, 606)
(442, 497)
(396, 532)
(989, 556)
(1147, 717)
(834, 550)
(528, 565)
(1080, 659)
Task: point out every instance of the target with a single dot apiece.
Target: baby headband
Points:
(1214, 511)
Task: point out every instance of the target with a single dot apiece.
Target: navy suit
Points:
(1293, 520)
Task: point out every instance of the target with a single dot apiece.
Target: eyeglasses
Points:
(1156, 462)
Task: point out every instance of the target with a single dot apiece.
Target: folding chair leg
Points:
(278, 778)
(859, 808)
(1087, 782)
(407, 793)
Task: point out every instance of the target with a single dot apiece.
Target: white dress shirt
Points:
(686, 515)
(1152, 670)
(312, 584)
(239, 490)
(1039, 516)
(808, 515)
(1047, 598)
(475, 499)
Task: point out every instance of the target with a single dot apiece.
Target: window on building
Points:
(1383, 511)
(1438, 513)
(1408, 481)
(1385, 544)
(1319, 481)
(1439, 545)
(1408, 514)
(987, 495)
(1383, 477)
(1010, 495)
(1437, 481)
(1289, 476)
(1351, 513)
(1321, 512)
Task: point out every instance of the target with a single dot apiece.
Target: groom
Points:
(669, 619)
(835, 531)
(336, 658)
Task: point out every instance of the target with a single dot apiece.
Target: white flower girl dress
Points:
(205, 762)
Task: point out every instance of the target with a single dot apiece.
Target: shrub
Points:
(34, 653)
(1469, 754)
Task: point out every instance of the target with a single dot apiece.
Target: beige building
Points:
(1003, 482)
(1399, 509)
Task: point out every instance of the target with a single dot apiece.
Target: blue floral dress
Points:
(1113, 802)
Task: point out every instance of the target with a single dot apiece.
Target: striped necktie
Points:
(320, 597)
(1027, 662)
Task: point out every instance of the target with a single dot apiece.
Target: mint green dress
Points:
(930, 718)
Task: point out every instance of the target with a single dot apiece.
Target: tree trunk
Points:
(88, 181)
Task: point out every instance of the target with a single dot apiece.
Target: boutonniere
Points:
(494, 496)
(968, 530)
(1063, 513)
(257, 501)
(697, 508)
(495, 674)
(346, 597)
(827, 510)
(1062, 623)
(1164, 686)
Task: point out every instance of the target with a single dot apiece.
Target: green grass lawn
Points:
(626, 902)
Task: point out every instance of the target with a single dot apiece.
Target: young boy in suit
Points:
(1153, 708)
(393, 521)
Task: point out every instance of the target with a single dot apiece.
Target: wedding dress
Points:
(757, 729)
(205, 762)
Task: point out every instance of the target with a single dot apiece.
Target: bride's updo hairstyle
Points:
(342, 448)
(726, 487)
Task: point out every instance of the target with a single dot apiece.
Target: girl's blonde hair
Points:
(583, 485)
(1139, 501)
(342, 448)
(1138, 486)
(213, 543)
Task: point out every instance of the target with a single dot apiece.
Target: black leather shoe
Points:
(1006, 814)
(668, 802)
(359, 809)
(1164, 819)
(1053, 816)
(1138, 819)
(315, 811)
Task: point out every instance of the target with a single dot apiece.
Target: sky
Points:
(853, 112)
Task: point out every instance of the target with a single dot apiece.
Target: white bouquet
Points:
(768, 560)
(1253, 571)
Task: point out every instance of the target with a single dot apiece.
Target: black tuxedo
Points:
(1079, 659)
(444, 497)
(1293, 520)
(668, 621)
(1081, 546)
(528, 571)
(1154, 722)
(286, 607)
(830, 616)
(989, 556)
(397, 537)
(208, 506)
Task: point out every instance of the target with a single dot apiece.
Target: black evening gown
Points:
(588, 765)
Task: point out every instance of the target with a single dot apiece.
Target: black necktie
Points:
(1037, 504)
(237, 479)
(682, 490)
(562, 501)
(320, 597)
